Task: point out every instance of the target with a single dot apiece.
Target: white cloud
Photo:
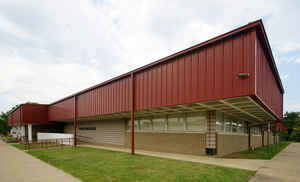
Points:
(285, 76)
(289, 47)
(11, 28)
(292, 107)
(23, 80)
(50, 49)
(297, 60)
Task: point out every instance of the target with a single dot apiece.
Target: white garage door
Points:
(113, 132)
(107, 132)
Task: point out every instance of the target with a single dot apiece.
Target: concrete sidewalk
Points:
(247, 164)
(284, 167)
(18, 166)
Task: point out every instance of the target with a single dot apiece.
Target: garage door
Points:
(113, 132)
(107, 132)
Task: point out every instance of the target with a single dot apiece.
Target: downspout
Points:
(268, 138)
(249, 135)
(75, 122)
(132, 115)
(262, 136)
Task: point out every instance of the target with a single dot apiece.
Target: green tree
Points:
(295, 136)
(291, 121)
(4, 128)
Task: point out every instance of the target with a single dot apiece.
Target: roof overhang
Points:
(240, 108)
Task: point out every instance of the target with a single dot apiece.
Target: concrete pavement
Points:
(18, 166)
(284, 167)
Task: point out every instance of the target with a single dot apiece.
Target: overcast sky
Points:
(51, 49)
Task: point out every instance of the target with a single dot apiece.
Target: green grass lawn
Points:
(9, 139)
(91, 165)
(259, 153)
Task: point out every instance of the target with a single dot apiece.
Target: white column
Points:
(23, 132)
(29, 132)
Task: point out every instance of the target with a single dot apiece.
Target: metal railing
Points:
(48, 143)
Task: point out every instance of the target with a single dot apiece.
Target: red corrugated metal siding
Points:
(61, 110)
(15, 117)
(34, 114)
(267, 88)
(28, 113)
(110, 98)
(9, 120)
(205, 74)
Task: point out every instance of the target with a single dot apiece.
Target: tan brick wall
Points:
(230, 143)
(184, 143)
(256, 141)
(271, 138)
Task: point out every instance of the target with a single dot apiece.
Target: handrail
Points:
(84, 136)
(48, 143)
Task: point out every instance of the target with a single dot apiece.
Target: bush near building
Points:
(292, 123)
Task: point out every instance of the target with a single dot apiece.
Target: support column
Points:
(211, 138)
(274, 137)
(75, 122)
(29, 133)
(262, 137)
(278, 136)
(268, 134)
(249, 136)
(132, 115)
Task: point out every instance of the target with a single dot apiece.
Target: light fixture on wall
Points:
(243, 75)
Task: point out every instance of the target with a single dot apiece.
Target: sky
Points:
(53, 48)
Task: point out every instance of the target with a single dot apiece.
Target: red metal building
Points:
(231, 78)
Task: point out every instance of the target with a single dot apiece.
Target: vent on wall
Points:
(243, 75)
(87, 128)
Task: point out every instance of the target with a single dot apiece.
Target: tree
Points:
(295, 136)
(291, 121)
(4, 128)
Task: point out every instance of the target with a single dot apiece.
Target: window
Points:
(234, 126)
(158, 124)
(255, 131)
(196, 122)
(136, 125)
(227, 126)
(145, 125)
(87, 128)
(220, 122)
(239, 127)
(175, 123)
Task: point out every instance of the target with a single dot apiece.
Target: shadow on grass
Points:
(259, 153)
